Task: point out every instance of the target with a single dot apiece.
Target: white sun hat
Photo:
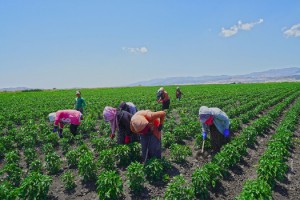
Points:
(52, 116)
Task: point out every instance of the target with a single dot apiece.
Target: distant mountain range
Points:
(14, 89)
(273, 75)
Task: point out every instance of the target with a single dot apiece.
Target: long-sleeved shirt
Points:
(123, 118)
(79, 103)
(67, 117)
(220, 119)
(144, 118)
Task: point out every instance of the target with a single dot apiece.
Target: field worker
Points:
(149, 125)
(79, 102)
(119, 120)
(217, 123)
(61, 117)
(178, 93)
(163, 97)
(128, 106)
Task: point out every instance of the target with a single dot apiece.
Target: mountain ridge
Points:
(272, 75)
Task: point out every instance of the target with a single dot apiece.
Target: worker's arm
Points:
(159, 114)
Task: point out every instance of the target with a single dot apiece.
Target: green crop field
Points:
(36, 164)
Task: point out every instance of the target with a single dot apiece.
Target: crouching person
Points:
(217, 123)
(149, 125)
(128, 106)
(61, 117)
(119, 120)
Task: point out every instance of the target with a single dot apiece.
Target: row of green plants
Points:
(272, 164)
(210, 173)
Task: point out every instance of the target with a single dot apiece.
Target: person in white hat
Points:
(216, 122)
(79, 102)
(163, 97)
(61, 117)
(178, 93)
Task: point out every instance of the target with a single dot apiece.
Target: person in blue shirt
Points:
(216, 122)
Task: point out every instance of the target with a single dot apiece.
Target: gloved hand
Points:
(204, 135)
(112, 136)
(160, 127)
(226, 132)
(54, 129)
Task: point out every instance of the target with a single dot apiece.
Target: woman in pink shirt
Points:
(61, 117)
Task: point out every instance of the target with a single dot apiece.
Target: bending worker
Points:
(217, 123)
(163, 97)
(61, 117)
(128, 106)
(149, 125)
(119, 120)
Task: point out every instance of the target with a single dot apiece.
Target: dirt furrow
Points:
(232, 185)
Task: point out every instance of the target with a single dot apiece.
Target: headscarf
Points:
(204, 113)
(52, 117)
(123, 106)
(110, 115)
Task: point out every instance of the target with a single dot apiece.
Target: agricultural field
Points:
(260, 162)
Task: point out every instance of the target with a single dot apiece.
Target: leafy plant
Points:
(255, 189)
(36, 166)
(109, 185)
(87, 167)
(69, 180)
(167, 139)
(12, 157)
(53, 163)
(35, 186)
(65, 146)
(72, 157)
(178, 152)
(30, 155)
(205, 177)
(179, 189)
(14, 173)
(47, 148)
(107, 160)
(154, 169)
(136, 177)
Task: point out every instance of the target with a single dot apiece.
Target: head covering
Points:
(123, 106)
(110, 115)
(52, 116)
(138, 122)
(177, 88)
(204, 113)
(161, 89)
(78, 92)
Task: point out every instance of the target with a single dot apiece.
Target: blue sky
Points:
(72, 43)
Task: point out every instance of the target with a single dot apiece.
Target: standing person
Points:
(61, 117)
(119, 120)
(128, 106)
(217, 123)
(149, 125)
(178, 93)
(79, 102)
(163, 97)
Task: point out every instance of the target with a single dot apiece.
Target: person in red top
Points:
(163, 97)
(61, 117)
(149, 125)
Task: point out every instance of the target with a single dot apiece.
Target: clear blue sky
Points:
(97, 43)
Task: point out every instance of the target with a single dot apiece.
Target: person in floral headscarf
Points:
(217, 123)
(119, 120)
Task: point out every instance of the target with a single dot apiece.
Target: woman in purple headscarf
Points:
(119, 120)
